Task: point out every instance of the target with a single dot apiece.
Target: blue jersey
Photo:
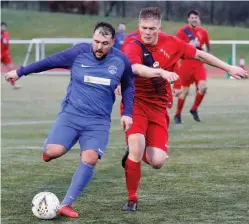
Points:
(90, 92)
(119, 39)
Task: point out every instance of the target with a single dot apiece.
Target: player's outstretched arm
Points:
(148, 72)
(63, 59)
(234, 71)
(127, 91)
(145, 71)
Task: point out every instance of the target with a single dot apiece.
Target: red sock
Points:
(198, 100)
(180, 104)
(144, 157)
(132, 176)
(12, 82)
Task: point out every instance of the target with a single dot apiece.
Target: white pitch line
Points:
(25, 123)
(18, 123)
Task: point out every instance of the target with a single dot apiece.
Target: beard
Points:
(100, 52)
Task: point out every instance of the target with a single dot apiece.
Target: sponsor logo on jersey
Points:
(97, 80)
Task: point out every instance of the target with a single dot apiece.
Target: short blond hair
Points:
(150, 13)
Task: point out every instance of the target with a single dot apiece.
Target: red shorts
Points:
(6, 59)
(153, 124)
(190, 75)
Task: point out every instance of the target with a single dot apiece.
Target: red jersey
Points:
(200, 34)
(166, 53)
(4, 42)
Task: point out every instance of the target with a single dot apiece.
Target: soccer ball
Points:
(45, 205)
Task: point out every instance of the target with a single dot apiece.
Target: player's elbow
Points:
(200, 55)
(136, 69)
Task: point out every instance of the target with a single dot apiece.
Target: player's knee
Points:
(54, 150)
(202, 87)
(184, 93)
(136, 146)
(157, 164)
(156, 157)
(89, 157)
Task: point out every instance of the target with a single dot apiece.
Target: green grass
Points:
(31, 24)
(205, 180)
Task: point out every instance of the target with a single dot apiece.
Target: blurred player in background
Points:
(119, 39)
(192, 71)
(154, 56)
(120, 36)
(96, 70)
(5, 52)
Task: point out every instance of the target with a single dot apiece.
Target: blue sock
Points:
(80, 179)
(45, 145)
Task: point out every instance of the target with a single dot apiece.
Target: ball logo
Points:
(156, 64)
(112, 69)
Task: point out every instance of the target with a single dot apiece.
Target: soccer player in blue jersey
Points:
(120, 36)
(96, 70)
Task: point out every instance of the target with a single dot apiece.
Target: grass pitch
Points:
(206, 179)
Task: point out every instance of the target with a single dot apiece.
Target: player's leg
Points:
(186, 80)
(156, 152)
(180, 104)
(136, 143)
(93, 142)
(62, 137)
(201, 83)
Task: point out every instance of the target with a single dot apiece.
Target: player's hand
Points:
(126, 123)
(177, 92)
(118, 90)
(237, 72)
(11, 75)
(171, 77)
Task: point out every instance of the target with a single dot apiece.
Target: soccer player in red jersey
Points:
(5, 53)
(192, 71)
(153, 56)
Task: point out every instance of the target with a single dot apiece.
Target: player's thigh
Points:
(140, 121)
(200, 76)
(157, 145)
(136, 135)
(186, 76)
(96, 139)
(157, 142)
(157, 132)
(63, 132)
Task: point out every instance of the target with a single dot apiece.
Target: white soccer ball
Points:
(45, 205)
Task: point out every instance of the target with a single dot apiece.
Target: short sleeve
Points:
(181, 35)
(207, 41)
(133, 52)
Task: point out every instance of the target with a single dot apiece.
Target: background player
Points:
(96, 70)
(120, 36)
(153, 56)
(192, 71)
(5, 52)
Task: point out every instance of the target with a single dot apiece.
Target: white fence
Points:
(40, 45)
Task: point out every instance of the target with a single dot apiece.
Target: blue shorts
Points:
(92, 133)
